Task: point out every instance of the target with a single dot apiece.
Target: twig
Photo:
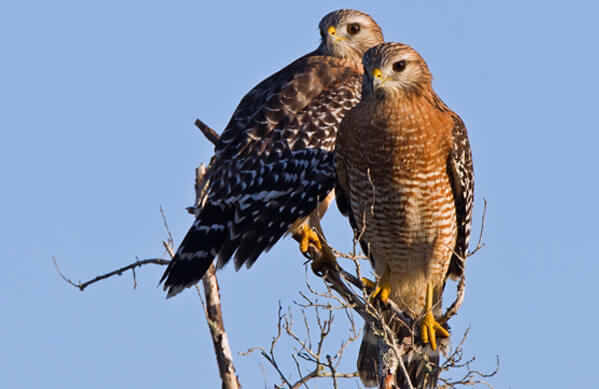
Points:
(134, 279)
(82, 285)
(480, 245)
(168, 230)
(320, 374)
(333, 372)
(169, 249)
(470, 377)
(455, 306)
(208, 132)
(325, 366)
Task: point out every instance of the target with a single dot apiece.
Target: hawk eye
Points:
(399, 65)
(353, 29)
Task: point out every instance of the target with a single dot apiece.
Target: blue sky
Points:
(97, 104)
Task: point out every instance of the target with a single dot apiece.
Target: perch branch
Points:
(208, 132)
(220, 341)
(453, 308)
(82, 285)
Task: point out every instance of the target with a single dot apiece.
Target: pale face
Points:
(348, 34)
(394, 68)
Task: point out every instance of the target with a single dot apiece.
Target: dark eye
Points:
(399, 66)
(353, 29)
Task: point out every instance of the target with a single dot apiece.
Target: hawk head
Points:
(348, 33)
(395, 69)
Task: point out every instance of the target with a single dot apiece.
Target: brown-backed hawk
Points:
(273, 164)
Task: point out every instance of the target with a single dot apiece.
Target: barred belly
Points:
(412, 231)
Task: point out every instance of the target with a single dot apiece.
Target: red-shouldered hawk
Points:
(405, 179)
(273, 164)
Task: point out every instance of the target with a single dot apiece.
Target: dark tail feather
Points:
(368, 365)
(422, 366)
(181, 274)
(195, 254)
(422, 363)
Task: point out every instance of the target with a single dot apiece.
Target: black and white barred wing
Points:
(461, 174)
(271, 171)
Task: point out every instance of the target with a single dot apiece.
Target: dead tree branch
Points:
(480, 244)
(323, 365)
(214, 316)
(208, 132)
(82, 285)
(455, 362)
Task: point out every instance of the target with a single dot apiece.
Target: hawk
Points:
(273, 168)
(405, 180)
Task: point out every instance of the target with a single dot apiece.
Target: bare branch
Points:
(455, 306)
(82, 285)
(470, 377)
(134, 279)
(220, 341)
(307, 351)
(166, 227)
(480, 244)
(208, 132)
(169, 249)
(270, 356)
(333, 372)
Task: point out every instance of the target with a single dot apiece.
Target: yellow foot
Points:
(382, 289)
(307, 236)
(368, 284)
(326, 259)
(430, 328)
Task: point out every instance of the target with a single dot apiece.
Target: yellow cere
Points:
(377, 73)
(332, 30)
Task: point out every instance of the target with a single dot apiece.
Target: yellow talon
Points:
(430, 327)
(382, 289)
(368, 284)
(326, 259)
(307, 236)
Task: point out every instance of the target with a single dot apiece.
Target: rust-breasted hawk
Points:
(405, 179)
